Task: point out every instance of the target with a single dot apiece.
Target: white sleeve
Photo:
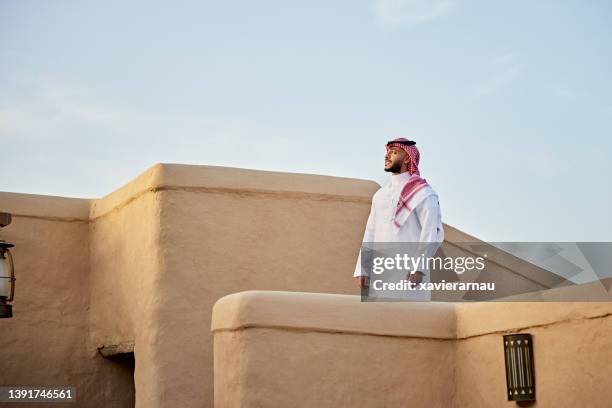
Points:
(430, 218)
(368, 236)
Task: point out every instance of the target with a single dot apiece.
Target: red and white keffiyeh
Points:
(413, 153)
(413, 193)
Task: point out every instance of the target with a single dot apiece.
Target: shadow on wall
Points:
(123, 394)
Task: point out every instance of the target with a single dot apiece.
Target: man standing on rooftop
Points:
(405, 210)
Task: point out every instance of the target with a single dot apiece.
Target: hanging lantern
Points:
(7, 273)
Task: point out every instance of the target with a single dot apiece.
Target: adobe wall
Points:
(279, 348)
(226, 230)
(141, 268)
(126, 267)
(46, 343)
(572, 352)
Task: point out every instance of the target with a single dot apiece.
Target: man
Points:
(404, 210)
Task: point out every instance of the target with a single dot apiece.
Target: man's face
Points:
(394, 159)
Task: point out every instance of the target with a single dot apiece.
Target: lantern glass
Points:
(6, 274)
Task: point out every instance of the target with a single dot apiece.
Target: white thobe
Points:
(423, 225)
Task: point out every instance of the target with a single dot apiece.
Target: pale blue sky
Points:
(509, 102)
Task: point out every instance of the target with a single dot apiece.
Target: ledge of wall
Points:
(178, 175)
(436, 320)
(333, 313)
(168, 176)
(216, 179)
(109, 350)
(476, 319)
(46, 207)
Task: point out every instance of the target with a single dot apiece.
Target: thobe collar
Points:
(400, 179)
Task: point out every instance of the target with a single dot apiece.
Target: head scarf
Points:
(413, 153)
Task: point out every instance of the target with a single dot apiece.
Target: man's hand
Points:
(364, 282)
(415, 277)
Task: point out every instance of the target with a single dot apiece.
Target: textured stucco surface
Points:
(279, 349)
(303, 350)
(260, 231)
(166, 246)
(283, 368)
(334, 313)
(144, 265)
(46, 343)
(125, 269)
(572, 366)
(263, 359)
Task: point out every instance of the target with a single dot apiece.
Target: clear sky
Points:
(510, 102)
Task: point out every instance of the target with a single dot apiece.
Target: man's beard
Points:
(396, 167)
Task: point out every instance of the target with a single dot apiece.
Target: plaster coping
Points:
(475, 319)
(184, 177)
(432, 320)
(333, 313)
(218, 179)
(44, 206)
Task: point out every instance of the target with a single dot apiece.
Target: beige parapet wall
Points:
(280, 349)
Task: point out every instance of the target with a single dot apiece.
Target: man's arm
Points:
(429, 215)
